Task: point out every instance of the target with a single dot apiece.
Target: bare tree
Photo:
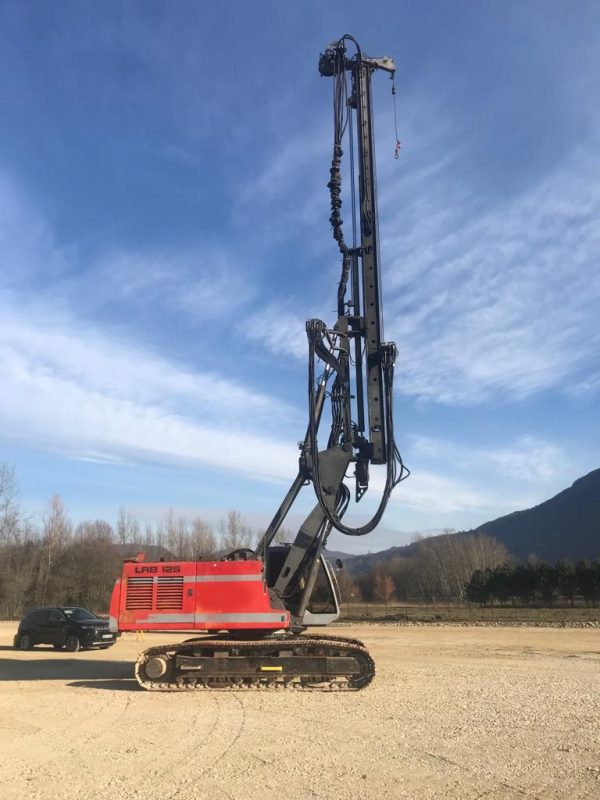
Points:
(149, 537)
(91, 565)
(10, 512)
(203, 540)
(234, 532)
(176, 535)
(444, 564)
(57, 529)
(404, 574)
(284, 535)
(349, 591)
(128, 531)
(384, 588)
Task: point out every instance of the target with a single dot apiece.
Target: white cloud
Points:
(35, 343)
(286, 200)
(279, 331)
(525, 459)
(288, 167)
(203, 283)
(497, 302)
(71, 386)
(485, 301)
(25, 236)
(428, 491)
(73, 390)
(435, 493)
(505, 303)
(456, 485)
(76, 391)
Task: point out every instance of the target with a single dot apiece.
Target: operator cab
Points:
(324, 605)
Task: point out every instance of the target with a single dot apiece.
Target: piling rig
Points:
(255, 604)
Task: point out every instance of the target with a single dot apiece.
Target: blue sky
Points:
(164, 235)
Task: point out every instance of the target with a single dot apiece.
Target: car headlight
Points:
(87, 627)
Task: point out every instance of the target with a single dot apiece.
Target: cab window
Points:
(322, 600)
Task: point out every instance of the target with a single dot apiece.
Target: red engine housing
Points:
(194, 595)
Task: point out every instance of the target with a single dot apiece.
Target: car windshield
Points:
(78, 613)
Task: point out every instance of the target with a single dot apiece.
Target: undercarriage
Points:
(280, 661)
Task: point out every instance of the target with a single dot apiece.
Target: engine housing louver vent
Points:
(139, 594)
(169, 593)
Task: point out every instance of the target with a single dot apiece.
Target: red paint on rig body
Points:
(194, 595)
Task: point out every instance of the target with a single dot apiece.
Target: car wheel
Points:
(72, 644)
(25, 642)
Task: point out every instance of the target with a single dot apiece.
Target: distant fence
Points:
(462, 612)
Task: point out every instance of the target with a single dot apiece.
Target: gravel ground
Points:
(495, 713)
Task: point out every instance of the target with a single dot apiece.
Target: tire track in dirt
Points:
(189, 735)
(81, 722)
(56, 732)
(471, 773)
(16, 726)
(224, 734)
(83, 765)
(60, 752)
(113, 722)
(160, 762)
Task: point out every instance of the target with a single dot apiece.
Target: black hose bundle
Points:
(396, 470)
(332, 347)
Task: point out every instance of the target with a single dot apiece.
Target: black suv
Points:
(63, 626)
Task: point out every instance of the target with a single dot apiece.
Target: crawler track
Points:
(306, 662)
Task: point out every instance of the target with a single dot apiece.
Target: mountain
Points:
(358, 565)
(566, 526)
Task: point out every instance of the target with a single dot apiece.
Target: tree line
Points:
(437, 569)
(58, 563)
(536, 582)
(472, 568)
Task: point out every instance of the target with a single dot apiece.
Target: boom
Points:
(358, 366)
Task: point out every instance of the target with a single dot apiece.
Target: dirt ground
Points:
(495, 713)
